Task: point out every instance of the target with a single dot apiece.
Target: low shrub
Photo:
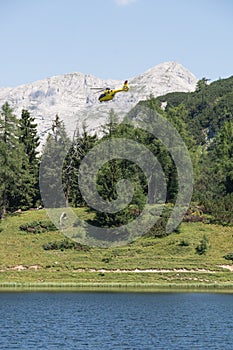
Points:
(184, 243)
(194, 214)
(38, 227)
(63, 245)
(229, 256)
(203, 246)
(106, 260)
(159, 229)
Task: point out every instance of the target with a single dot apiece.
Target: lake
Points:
(112, 321)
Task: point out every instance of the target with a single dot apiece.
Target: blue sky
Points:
(115, 39)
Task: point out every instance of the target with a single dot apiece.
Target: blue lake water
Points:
(112, 321)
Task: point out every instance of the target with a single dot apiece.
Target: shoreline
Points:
(115, 287)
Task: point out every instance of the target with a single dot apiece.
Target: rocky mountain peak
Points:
(71, 97)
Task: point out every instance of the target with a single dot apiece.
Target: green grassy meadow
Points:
(25, 263)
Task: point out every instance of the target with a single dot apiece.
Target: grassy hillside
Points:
(164, 262)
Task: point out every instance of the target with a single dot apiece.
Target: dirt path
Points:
(228, 267)
(146, 270)
(183, 270)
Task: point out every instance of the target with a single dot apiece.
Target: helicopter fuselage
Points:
(109, 94)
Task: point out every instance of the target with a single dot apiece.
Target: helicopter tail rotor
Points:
(126, 86)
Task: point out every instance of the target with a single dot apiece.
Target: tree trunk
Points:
(3, 207)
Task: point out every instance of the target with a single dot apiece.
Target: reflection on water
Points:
(109, 320)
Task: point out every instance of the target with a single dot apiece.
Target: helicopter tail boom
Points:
(125, 86)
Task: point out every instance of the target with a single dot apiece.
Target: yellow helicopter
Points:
(108, 94)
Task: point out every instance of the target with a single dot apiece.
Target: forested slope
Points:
(203, 118)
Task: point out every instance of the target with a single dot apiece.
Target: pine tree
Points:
(112, 125)
(30, 141)
(221, 153)
(11, 155)
(82, 143)
(51, 168)
(29, 138)
(114, 171)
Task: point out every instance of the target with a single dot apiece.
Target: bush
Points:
(229, 256)
(59, 245)
(159, 229)
(106, 260)
(194, 214)
(38, 227)
(221, 210)
(184, 243)
(63, 245)
(203, 246)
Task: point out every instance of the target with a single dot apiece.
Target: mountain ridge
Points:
(70, 95)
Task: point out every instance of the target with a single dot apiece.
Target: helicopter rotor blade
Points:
(96, 88)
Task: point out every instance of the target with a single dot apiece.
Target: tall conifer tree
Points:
(82, 143)
(29, 140)
(54, 153)
(10, 157)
